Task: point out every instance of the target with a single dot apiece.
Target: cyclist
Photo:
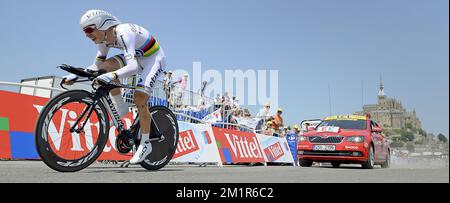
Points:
(141, 55)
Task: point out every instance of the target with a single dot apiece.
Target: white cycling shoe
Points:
(144, 149)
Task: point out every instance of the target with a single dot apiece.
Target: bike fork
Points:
(89, 109)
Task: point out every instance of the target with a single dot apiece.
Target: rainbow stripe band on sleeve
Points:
(140, 87)
(101, 58)
(121, 60)
(150, 47)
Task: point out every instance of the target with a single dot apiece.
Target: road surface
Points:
(37, 172)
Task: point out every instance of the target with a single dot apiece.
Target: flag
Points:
(251, 123)
(213, 117)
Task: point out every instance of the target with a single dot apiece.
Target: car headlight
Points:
(356, 139)
(302, 139)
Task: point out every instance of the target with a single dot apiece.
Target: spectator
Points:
(218, 99)
(240, 113)
(296, 129)
(264, 112)
(226, 98)
(168, 88)
(201, 103)
(235, 103)
(168, 80)
(307, 127)
(269, 129)
(183, 84)
(184, 81)
(304, 128)
(232, 119)
(284, 132)
(247, 114)
(278, 120)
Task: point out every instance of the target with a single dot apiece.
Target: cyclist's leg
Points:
(140, 99)
(153, 68)
(112, 64)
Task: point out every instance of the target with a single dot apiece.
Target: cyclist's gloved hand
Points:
(69, 79)
(92, 67)
(107, 77)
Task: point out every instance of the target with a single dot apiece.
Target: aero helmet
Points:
(101, 19)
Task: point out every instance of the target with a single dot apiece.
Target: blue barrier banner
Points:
(291, 138)
(23, 145)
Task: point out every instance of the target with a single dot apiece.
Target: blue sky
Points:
(313, 44)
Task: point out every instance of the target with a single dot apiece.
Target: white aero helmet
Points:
(101, 19)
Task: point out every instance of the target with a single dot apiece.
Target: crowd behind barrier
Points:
(223, 111)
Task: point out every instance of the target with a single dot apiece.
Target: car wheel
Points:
(335, 164)
(306, 163)
(370, 160)
(387, 162)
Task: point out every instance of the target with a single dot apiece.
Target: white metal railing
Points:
(189, 117)
(237, 126)
(175, 96)
(33, 86)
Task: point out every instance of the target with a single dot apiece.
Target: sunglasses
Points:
(89, 29)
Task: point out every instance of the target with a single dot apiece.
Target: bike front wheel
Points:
(61, 149)
(164, 121)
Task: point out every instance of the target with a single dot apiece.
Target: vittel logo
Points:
(276, 151)
(59, 128)
(96, 13)
(243, 148)
(186, 144)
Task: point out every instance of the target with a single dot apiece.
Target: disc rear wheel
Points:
(164, 122)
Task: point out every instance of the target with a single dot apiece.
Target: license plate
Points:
(324, 147)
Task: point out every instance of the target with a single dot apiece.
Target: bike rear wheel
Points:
(62, 150)
(165, 121)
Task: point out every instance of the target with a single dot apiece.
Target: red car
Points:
(345, 140)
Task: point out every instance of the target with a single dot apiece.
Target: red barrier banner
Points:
(22, 112)
(5, 146)
(20, 109)
(236, 146)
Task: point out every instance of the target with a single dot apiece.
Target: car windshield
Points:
(345, 124)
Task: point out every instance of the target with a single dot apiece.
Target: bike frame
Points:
(101, 95)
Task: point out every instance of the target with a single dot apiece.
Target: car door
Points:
(384, 145)
(377, 139)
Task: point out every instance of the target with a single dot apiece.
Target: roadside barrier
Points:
(198, 143)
